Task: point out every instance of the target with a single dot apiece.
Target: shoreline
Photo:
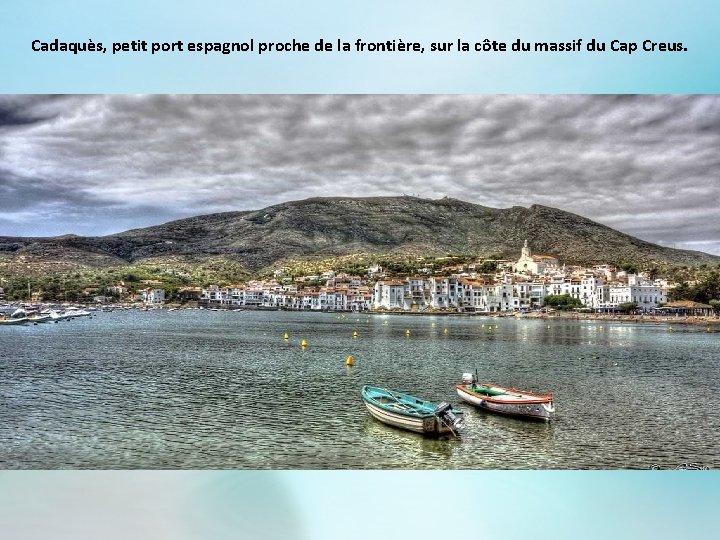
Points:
(654, 319)
(708, 321)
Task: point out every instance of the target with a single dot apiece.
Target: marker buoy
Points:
(407, 332)
(304, 343)
(350, 361)
(355, 334)
(286, 336)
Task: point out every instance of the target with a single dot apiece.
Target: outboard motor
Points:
(444, 412)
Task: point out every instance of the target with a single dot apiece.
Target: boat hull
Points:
(530, 406)
(429, 425)
(12, 322)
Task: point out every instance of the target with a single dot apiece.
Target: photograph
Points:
(299, 282)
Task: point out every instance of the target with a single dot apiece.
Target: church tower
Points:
(525, 253)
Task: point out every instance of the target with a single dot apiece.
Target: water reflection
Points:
(415, 447)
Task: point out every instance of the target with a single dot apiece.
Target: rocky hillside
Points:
(330, 227)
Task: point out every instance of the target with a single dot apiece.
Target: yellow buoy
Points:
(433, 325)
(407, 332)
(286, 336)
(304, 343)
(350, 361)
(445, 331)
(355, 334)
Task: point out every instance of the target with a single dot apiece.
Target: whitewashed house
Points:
(152, 296)
(477, 295)
(444, 292)
(590, 285)
(389, 295)
(647, 297)
(417, 293)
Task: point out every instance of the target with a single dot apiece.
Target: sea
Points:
(202, 389)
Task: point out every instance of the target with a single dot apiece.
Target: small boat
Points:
(38, 318)
(72, 313)
(53, 316)
(504, 400)
(408, 412)
(16, 320)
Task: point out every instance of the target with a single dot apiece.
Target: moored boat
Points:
(72, 313)
(411, 413)
(12, 321)
(38, 318)
(506, 400)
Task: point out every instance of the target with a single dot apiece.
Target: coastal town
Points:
(533, 282)
(522, 285)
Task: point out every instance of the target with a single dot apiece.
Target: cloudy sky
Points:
(94, 165)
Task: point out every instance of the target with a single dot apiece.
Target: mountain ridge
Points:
(336, 226)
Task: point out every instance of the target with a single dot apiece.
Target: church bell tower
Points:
(525, 253)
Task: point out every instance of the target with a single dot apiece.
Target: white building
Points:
(234, 295)
(417, 293)
(534, 264)
(444, 292)
(528, 294)
(212, 295)
(479, 295)
(153, 296)
(591, 290)
(647, 297)
(254, 296)
(389, 295)
(360, 299)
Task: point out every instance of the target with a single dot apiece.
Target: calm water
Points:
(217, 390)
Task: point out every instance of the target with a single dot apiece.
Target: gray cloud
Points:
(647, 165)
(23, 109)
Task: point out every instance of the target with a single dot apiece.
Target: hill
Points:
(334, 227)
